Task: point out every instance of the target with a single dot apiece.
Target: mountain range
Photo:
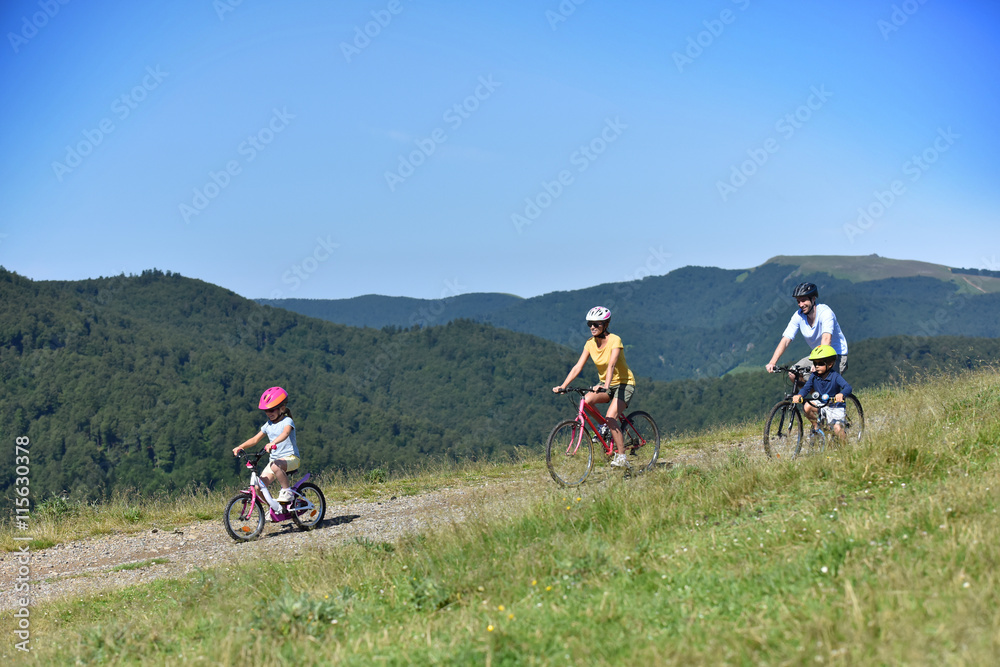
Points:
(147, 382)
(698, 322)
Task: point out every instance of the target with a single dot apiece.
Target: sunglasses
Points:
(594, 324)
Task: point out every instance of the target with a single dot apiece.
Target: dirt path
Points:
(974, 285)
(89, 565)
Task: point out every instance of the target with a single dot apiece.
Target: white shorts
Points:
(835, 415)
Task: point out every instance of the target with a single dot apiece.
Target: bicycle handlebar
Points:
(797, 370)
(820, 401)
(583, 390)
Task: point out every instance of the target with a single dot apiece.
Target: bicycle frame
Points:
(796, 384)
(584, 414)
(259, 493)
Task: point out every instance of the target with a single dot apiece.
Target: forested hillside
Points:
(703, 322)
(147, 382)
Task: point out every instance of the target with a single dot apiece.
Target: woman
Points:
(608, 354)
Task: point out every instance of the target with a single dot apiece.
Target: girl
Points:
(608, 354)
(280, 431)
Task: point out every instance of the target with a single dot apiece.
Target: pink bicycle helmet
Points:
(272, 398)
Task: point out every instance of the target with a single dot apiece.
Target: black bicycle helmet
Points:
(805, 290)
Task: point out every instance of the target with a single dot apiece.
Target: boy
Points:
(826, 382)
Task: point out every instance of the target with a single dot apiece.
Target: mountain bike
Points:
(851, 426)
(569, 453)
(248, 510)
(783, 430)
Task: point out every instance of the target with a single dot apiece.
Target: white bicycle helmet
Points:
(598, 314)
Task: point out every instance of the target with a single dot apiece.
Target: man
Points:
(818, 325)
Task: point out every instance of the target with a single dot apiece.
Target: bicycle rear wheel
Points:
(569, 453)
(308, 507)
(783, 431)
(243, 518)
(642, 441)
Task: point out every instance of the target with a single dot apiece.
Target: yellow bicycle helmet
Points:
(821, 352)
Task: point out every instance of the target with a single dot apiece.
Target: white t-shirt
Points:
(286, 447)
(826, 322)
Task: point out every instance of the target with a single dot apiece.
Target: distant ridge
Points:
(698, 322)
(863, 268)
(372, 310)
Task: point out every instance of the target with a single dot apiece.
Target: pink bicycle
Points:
(247, 511)
(569, 453)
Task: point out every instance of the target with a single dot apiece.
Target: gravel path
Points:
(86, 566)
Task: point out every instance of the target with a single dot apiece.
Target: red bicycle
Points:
(569, 453)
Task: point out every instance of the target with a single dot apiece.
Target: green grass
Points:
(880, 554)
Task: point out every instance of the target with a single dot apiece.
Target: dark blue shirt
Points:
(831, 385)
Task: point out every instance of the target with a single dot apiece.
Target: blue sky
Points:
(427, 148)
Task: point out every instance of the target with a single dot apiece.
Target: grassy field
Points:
(881, 554)
(868, 267)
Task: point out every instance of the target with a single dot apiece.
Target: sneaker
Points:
(619, 461)
(285, 496)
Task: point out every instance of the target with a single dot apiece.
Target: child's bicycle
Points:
(569, 453)
(783, 430)
(832, 423)
(246, 512)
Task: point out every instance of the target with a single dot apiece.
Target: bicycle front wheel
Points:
(569, 453)
(854, 422)
(243, 518)
(642, 441)
(783, 431)
(308, 507)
